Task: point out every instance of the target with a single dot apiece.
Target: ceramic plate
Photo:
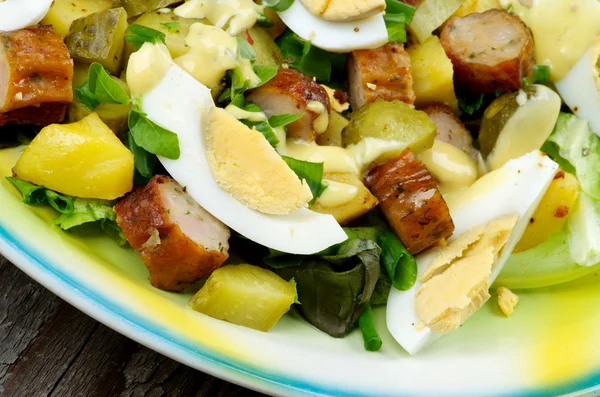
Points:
(550, 346)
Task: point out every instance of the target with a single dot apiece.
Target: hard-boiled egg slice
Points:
(335, 36)
(580, 88)
(19, 14)
(516, 189)
(181, 104)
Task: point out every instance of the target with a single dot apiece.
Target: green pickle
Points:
(245, 295)
(393, 121)
(99, 37)
(138, 7)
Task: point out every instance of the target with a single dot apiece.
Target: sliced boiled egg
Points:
(580, 88)
(181, 104)
(453, 280)
(340, 36)
(19, 14)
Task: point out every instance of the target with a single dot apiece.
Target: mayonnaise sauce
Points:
(370, 152)
(212, 53)
(337, 194)
(334, 159)
(321, 123)
(147, 67)
(233, 16)
(563, 30)
(241, 114)
(452, 168)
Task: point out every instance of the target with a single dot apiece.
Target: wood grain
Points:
(49, 348)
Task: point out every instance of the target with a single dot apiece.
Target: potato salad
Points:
(330, 157)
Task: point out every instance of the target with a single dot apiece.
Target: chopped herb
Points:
(281, 120)
(264, 21)
(144, 161)
(312, 173)
(152, 137)
(246, 50)
(100, 88)
(470, 103)
(171, 26)
(237, 84)
(137, 35)
(304, 57)
(397, 15)
(278, 5)
(539, 74)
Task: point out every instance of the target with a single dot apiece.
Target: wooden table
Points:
(49, 348)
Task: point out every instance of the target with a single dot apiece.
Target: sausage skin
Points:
(42, 115)
(35, 68)
(490, 51)
(177, 239)
(383, 73)
(293, 92)
(411, 202)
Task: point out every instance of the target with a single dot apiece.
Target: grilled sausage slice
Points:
(177, 239)
(293, 92)
(411, 202)
(490, 51)
(450, 129)
(383, 73)
(42, 115)
(35, 68)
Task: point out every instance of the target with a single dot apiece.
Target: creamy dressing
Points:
(147, 67)
(320, 123)
(452, 168)
(563, 30)
(334, 159)
(373, 151)
(337, 194)
(233, 16)
(212, 53)
(241, 114)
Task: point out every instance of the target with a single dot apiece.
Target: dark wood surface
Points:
(49, 348)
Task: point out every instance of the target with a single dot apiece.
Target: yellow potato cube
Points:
(63, 12)
(83, 159)
(432, 74)
(245, 295)
(471, 6)
(551, 215)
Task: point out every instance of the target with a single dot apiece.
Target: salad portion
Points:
(328, 157)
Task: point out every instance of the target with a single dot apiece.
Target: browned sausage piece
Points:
(411, 202)
(450, 129)
(490, 51)
(383, 73)
(177, 239)
(42, 115)
(293, 92)
(35, 67)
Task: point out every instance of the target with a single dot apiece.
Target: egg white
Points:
(181, 104)
(19, 14)
(335, 36)
(517, 187)
(580, 88)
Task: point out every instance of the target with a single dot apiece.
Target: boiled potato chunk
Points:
(333, 135)
(346, 212)
(83, 159)
(392, 121)
(245, 295)
(267, 52)
(62, 13)
(174, 27)
(517, 123)
(552, 212)
(99, 37)
(432, 74)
